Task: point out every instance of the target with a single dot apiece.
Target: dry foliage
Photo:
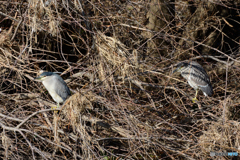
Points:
(117, 57)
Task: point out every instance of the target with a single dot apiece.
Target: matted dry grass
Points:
(125, 102)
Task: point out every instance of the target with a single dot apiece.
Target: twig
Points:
(33, 114)
(55, 124)
(8, 16)
(16, 29)
(30, 145)
(225, 96)
(15, 129)
(214, 58)
(19, 22)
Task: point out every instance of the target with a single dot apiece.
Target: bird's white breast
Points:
(50, 86)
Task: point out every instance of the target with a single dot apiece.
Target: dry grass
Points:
(125, 102)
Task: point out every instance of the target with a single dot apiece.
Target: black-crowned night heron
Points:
(196, 76)
(55, 85)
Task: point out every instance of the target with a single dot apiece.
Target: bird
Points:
(196, 76)
(55, 85)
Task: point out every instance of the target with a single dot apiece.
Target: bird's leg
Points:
(55, 107)
(195, 98)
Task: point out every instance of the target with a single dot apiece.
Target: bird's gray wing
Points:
(207, 89)
(202, 80)
(198, 78)
(62, 89)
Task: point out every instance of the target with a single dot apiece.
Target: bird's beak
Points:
(38, 78)
(177, 69)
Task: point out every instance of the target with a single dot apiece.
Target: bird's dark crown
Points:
(45, 74)
(182, 64)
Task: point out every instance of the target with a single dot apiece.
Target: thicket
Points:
(117, 57)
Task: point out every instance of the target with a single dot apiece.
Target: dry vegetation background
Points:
(117, 57)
